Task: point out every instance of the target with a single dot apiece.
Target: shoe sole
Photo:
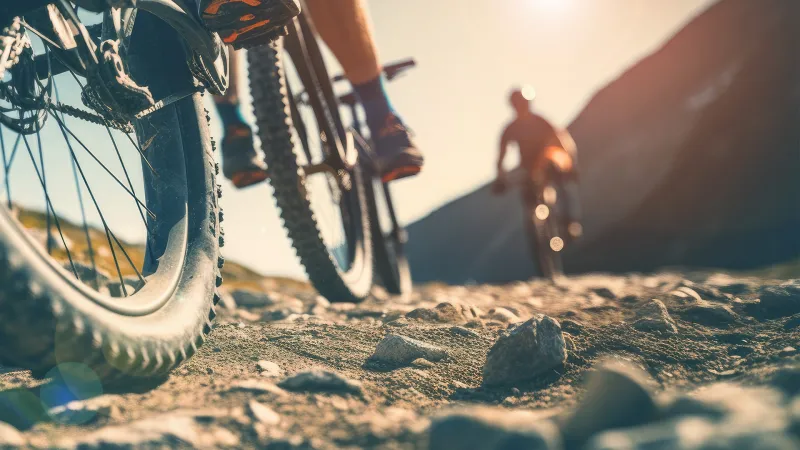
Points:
(248, 23)
(246, 179)
(399, 173)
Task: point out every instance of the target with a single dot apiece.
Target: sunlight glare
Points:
(551, 5)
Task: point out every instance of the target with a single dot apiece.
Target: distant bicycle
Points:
(547, 207)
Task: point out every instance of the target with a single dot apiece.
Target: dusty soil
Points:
(220, 397)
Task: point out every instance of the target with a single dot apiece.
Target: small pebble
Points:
(422, 363)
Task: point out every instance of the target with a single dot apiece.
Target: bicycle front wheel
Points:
(109, 238)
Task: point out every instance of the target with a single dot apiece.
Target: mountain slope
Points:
(688, 158)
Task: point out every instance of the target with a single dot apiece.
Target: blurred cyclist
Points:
(346, 29)
(540, 145)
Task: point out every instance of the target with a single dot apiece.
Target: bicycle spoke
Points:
(49, 205)
(87, 234)
(67, 130)
(49, 244)
(141, 153)
(5, 172)
(108, 232)
(132, 141)
(13, 154)
(130, 184)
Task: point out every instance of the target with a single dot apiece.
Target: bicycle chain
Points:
(92, 117)
(125, 127)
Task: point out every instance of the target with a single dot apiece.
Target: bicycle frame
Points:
(301, 43)
(76, 49)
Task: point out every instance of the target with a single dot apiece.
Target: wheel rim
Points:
(84, 195)
(335, 207)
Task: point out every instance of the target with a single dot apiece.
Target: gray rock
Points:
(399, 350)
(483, 428)
(794, 416)
(422, 363)
(319, 380)
(778, 301)
(290, 443)
(572, 327)
(786, 378)
(605, 293)
(740, 350)
(246, 298)
(361, 313)
(653, 316)
(465, 332)
(10, 437)
(502, 315)
(269, 369)
(680, 434)
(792, 323)
(725, 401)
(445, 312)
(687, 293)
(710, 292)
(79, 412)
(399, 323)
(173, 429)
(263, 414)
(528, 350)
(710, 314)
(283, 313)
(738, 288)
(616, 396)
(257, 387)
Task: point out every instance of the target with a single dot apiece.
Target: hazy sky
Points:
(469, 53)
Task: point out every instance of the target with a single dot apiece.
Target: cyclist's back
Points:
(533, 134)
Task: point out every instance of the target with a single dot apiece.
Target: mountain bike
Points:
(324, 187)
(546, 203)
(110, 222)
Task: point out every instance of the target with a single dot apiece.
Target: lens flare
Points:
(542, 212)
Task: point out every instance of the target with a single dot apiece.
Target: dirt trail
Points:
(727, 329)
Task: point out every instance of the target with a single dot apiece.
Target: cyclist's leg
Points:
(529, 203)
(569, 183)
(346, 28)
(240, 162)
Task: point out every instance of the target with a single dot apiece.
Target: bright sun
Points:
(551, 4)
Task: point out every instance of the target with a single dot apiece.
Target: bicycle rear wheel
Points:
(389, 239)
(91, 271)
(550, 215)
(542, 220)
(325, 213)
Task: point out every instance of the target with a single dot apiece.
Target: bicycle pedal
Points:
(248, 23)
(257, 40)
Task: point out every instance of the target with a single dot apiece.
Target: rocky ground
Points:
(669, 361)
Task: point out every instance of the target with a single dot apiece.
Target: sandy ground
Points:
(228, 394)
